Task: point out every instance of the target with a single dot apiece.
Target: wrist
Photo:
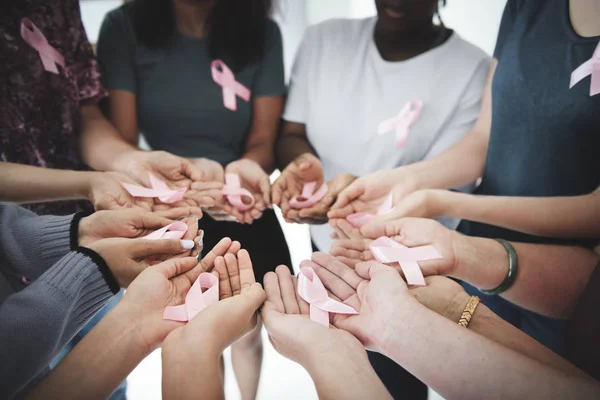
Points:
(456, 307)
(120, 162)
(131, 325)
(79, 235)
(482, 262)
(177, 349)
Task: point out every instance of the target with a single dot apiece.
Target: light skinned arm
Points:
(101, 145)
(462, 364)
(574, 216)
(28, 184)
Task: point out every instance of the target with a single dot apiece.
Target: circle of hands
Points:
(159, 273)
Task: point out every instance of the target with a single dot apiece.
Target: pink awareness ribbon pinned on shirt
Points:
(590, 67)
(49, 56)
(311, 289)
(231, 88)
(388, 251)
(234, 191)
(159, 189)
(357, 220)
(195, 300)
(309, 197)
(176, 230)
(402, 122)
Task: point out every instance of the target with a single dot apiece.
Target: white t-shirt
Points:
(341, 89)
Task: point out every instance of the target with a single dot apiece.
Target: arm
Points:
(544, 271)
(463, 163)
(575, 216)
(42, 318)
(28, 184)
(30, 243)
(99, 363)
(292, 143)
(461, 364)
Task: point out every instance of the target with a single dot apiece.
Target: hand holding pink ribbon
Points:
(231, 88)
(311, 289)
(49, 56)
(195, 300)
(357, 220)
(159, 190)
(402, 123)
(388, 251)
(234, 191)
(590, 67)
(308, 198)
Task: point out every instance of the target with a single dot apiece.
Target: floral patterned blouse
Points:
(39, 110)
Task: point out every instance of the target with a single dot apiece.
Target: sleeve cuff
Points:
(103, 268)
(74, 230)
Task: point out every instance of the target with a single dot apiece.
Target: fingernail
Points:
(201, 240)
(187, 244)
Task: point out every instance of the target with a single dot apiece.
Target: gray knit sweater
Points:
(69, 285)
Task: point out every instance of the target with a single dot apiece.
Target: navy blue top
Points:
(545, 137)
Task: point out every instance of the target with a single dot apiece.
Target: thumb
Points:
(349, 194)
(265, 188)
(176, 266)
(142, 248)
(377, 228)
(371, 269)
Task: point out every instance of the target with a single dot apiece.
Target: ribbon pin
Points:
(231, 87)
(388, 251)
(159, 189)
(35, 38)
(195, 300)
(234, 191)
(590, 67)
(402, 122)
(308, 198)
(311, 289)
(176, 230)
(357, 220)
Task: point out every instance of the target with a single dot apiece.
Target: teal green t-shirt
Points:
(179, 106)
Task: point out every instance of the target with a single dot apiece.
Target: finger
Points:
(372, 269)
(287, 288)
(234, 273)
(271, 281)
(331, 281)
(302, 305)
(235, 247)
(247, 278)
(150, 220)
(175, 266)
(208, 261)
(265, 188)
(338, 268)
(342, 212)
(339, 232)
(254, 297)
(348, 261)
(225, 289)
(337, 252)
(346, 196)
(350, 231)
(374, 230)
(142, 248)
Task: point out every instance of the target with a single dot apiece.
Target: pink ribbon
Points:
(231, 87)
(195, 300)
(308, 198)
(234, 191)
(176, 230)
(402, 122)
(311, 289)
(35, 38)
(590, 67)
(357, 220)
(388, 251)
(159, 189)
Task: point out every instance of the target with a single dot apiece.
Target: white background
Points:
(475, 20)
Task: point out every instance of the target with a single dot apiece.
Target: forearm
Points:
(549, 281)
(99, 363)
(460, 364)
(291, 146)
(346, 377)
(576, 216)
(486, 323)
(101, 145)
(261, 153)
(27, 184)
(181, 375)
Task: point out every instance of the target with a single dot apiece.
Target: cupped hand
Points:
(350, 247)
(304, 169)
(367, 193)
(107, 193)
(254, 179)
(292, 333)
(426, 203)
(317, 214)
(167, 284)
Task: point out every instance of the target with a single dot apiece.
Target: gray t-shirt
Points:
(179, 106)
